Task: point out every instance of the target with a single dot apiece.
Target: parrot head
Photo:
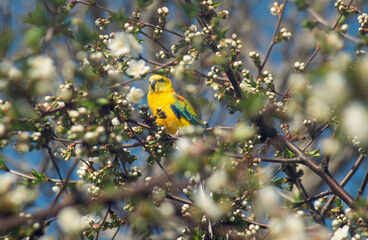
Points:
(159, 84)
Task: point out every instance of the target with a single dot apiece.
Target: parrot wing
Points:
(182, 107)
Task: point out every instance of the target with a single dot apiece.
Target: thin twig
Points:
(103, 220)
(178, 199)
(157, 42)
(116, 233)
(273, 38)
(65, 182)
(29, 176)
(296, 181)
(320, 195)
(316, 136)
(362, 186)
(54, 162)
(324, 22)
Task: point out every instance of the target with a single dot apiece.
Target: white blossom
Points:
(288, 227)
(20, 194)
(137, 68)
(334, 41)
(70, 220)
(217, 180)
(242, 131)
(184, 146)
(92, 218)
(115, 121)
(41, 68)
(166, 209)
(341, 233)
(135, 95)
(354, 121)
(56, 189)
(205, 202)
(7, 180)
(124, 43)
(2, 129)
(9, 69)
(267, 199)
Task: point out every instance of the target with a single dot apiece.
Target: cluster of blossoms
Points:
(299, 66)
(346, 222)
(129, 28)
(134, 172)
(156, 145)
(83, 170)
(163, 13)
(190, 34)
(276, 8)
(61, 153)
(231, 47)
(102, 23)
(363, 21)
(182, 67)
(355, 140)
(344, 28)
(283, 35)
(256, 58)
(94, 190)
(345, 9)
(223, 14)
(207, 7)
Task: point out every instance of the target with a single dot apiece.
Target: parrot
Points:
(163, 98)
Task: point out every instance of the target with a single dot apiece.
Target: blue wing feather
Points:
(183, 108)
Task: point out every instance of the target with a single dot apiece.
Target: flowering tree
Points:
(286, 115)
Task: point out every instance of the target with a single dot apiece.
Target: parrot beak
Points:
(153, 84)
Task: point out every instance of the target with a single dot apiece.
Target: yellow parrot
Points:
(179, 113)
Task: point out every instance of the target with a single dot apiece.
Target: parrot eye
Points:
(161, 80)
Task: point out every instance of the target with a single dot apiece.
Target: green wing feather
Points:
(182, 107)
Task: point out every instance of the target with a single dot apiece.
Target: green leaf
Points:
(58, 3)
(2, 163)
(86, 34)
(190, 10)
(38, 17)
(216, 4)
(339, 203)
(315, 153)
(142, 4)
(278, 182)
(301, 5)
(119, 17)
(309, 25)
(198, 234)
(6, 39)
(34, 36)
(40, 178)
(288, 154)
